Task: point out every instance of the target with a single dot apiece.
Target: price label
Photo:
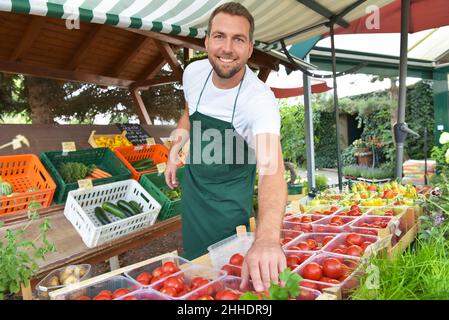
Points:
(68, 146)
(85, 184)
(240, 230)
(161, 167)
(150, 141)
(138, 148)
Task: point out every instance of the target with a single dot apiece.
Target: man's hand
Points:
(263, 263)
(170, 175)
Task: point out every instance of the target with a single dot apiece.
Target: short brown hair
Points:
(233, 9)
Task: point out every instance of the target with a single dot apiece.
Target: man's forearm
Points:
(272, 201)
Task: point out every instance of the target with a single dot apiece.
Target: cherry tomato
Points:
(102, 297)
(327, 239)
(309, 285)
(354, 238)
(227, 295)
(105, 293)
(339, 251)
(332, 268)
(169, 267)
(205, 298)
(175, 283)
(157, 272)
(130, 298)
(306, 228)
(303, 258)
(237, 271)
(354, 251)
(312, 271)
(169, 291)
(286, 240)
(303, 245)
(236, 259)
(292, 260)
(312, 244)
(365, 245)
(195, 283)
(228, 269)
(120, 292)
(84, 298)
(144, 278)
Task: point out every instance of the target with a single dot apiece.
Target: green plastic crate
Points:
(153, 182)
(103, 158)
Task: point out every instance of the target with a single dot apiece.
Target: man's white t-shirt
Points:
(256, 109)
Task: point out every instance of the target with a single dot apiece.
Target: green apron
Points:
(216, 197)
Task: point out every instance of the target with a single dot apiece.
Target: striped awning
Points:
(274, 19)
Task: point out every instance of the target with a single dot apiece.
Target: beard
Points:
(225, 73)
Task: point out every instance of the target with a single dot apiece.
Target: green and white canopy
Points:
(275, 19)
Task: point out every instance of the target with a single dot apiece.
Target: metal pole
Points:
(308, 123)
(336, 109)
(405, 16)
(425, 156)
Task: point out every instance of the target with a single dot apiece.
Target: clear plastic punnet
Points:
(323, 210)
(349, 280)
(296, 258)
(288, 236)
(302, 222)
(311, 242)
(221, 252)
(179, 262)
(387, 211)
(343, 241)
(92, 291)
(144, 294)
(352, 211)
(194, 281)
(329, 224)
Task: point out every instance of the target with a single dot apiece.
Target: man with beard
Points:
(226, 99)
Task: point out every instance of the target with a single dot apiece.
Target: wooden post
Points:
(252, 224)
(140, 107)
(27, 294)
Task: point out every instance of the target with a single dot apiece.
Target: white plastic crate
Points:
(221, 252)
(80, 206)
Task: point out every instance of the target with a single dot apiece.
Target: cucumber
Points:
(126, 207)
(113, 209)
(101, 216)
(136, 206)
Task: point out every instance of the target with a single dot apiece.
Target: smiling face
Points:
(229, 46)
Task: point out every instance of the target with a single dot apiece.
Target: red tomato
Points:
(335, 224)
(84, 298)
(157, 272)
(236, 259)
(354, 251)
(294, 248)
(327, 239)
(102, 297)
(333, 209)
(292, 260)
(303, 245)
(228, 269)
(295, 220)
(336, 219)
(286, 240)
(105, 293)
(196, 282)
(389, 213)
(306, 228)
(312, 271)
(175, 283)
(332, 268)
(365, 245)
(169, 291)
(304, 258)
(237, 271)
(309, 285)
(339, 251)
(169, 267)
(354, 238)
(311, 243)
(306, 219)
(130, 298)
(316, 217)
(205, 298)
(355, 207)
(120, 292)
(227, 295)
(144, 278)
(305, 294)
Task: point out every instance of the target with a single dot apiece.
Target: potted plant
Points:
(363, 153)
(19, 256)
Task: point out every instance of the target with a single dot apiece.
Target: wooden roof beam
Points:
(157, 81)
(83, 49)
(58, 74)
(153, 68)
(30, 35)
(127, 59)
(169, 56)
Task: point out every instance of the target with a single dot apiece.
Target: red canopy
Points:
(281, 93)
(425, 14)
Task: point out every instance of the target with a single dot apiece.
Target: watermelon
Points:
(5, 188)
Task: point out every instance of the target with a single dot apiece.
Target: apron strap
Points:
(236, 97)
(204, 86)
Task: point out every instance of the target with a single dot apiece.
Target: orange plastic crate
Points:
(25, 172)
(157, 152)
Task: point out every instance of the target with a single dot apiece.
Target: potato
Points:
(53, 282)
(65, 273)
(79, 271)
(70, 280)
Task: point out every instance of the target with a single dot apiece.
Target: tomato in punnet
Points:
(175, 283)
(105, 293)
(236, 259)
(196, 282)
(303, 245)
(305, 294)
(333, 209)
(229, 270)
(286, 240)
(354, 251)
(144, 278)
(355, 207)
(304, 258)
(84, 298)
(169, 267)
(237, 271)
(295, 220)
(103, 297)
(205, 298)
(306, 228)
(312, 244)
(339, 251)
(389, 213)
(130, 298)
(306, 219)
(329, 280)
(309, 285)
(312, 271)
(292, 260)
(336, 219)
(365, 245)
(157, 272)
(120, 292)
(227, 295)
(316, 217)
(169, 291)
(294, 248)
(354, 238)
(332, 268)
(327, 239)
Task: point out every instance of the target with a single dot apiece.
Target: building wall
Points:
(441, 100)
